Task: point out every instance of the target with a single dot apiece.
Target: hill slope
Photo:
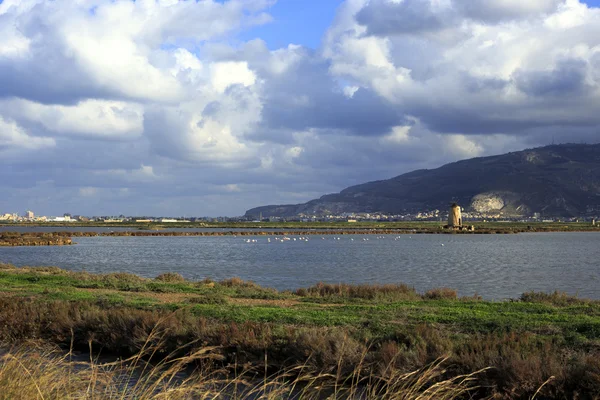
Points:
(557, 180)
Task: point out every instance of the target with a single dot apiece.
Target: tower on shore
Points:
(455, 216)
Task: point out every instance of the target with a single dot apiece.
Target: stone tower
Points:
(455, 217)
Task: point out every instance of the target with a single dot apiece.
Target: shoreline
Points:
(61, 238)
(326, 327)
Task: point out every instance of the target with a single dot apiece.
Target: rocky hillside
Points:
(557, 180)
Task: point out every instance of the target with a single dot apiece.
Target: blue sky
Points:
(305, 21)
(164, 108)
(297, 21)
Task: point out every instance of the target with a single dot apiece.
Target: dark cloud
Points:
(483, 84)
(306, 96)
(502, 10)
(566, 79)
(383, 17)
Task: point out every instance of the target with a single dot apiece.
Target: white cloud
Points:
(399, 134)
(12, 136)
(143, 174)
(225, 74)
(499, 77)
(93, 118)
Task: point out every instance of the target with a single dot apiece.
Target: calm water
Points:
(494, 266)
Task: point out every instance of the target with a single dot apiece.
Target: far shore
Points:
(491, 225)
(60, 237)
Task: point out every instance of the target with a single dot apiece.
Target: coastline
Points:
(60, 238)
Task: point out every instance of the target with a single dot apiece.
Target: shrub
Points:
(441, 294)
(48, 270)
(171, 277)
(555, 298)
(390, 292)
(238, 282)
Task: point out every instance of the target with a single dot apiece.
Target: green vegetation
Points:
(540, 339)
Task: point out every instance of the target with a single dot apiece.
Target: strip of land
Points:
(60, 238)
(550, 340)
(321, 226)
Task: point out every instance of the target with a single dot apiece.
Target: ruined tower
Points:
(455, 216)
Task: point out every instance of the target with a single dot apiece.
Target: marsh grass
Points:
(39, 372)
(343, 334)
(390, 292)
(555, 298)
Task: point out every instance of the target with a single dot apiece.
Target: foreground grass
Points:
(31, 372)
(329, 329)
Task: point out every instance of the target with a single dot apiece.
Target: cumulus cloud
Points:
(499, 77)
(89, 118)
(12, 136)
(158, 106)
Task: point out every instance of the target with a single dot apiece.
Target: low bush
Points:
(441, 294)
(367, 292)
(238, 282)
(555, 298)
(171, 277)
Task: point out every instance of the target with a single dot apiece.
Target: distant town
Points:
(434, 215)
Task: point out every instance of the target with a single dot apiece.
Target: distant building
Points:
(29, 214)
(455, 216)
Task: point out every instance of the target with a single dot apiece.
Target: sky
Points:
(209, 108)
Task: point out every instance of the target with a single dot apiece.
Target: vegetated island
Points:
(327, 340)
(35, 239)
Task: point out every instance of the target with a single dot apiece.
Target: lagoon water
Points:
(493, 266)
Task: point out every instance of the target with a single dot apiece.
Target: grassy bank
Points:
(549, 340)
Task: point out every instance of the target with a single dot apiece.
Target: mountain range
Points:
(557, 180)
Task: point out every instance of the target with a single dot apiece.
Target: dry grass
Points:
(368, 292)
(237, 282)
(555, 298)
(171, 277)
(33, 372)
(441, 294)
